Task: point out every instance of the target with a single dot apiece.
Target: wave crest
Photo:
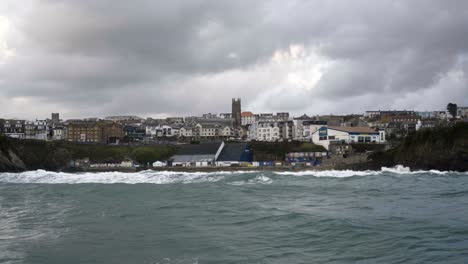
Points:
(170, 177)
(162, 177)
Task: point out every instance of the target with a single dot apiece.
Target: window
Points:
(331, 137)
(323, 138)
(360, 139)
(368, 139)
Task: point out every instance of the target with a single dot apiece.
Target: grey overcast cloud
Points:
(92, 58)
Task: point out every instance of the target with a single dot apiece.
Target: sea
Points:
(394, 215)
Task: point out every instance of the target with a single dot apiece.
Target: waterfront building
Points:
(197, 155)
(324, 136)
(234, 154)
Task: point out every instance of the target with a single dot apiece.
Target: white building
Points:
(13, 128)
(37, 130)
(186, 131)
(58, 133)
(325, 135)
(462, 112)
(305, 127)
(266, 131)
(161, 131)
(248, 118)
(442, 115)
(226, 131)
(206, 130)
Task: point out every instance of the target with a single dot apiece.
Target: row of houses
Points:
(371, 127)
(84, 131)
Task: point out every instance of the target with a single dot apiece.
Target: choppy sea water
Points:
(388, 216)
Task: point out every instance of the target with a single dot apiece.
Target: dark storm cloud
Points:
(149, 57)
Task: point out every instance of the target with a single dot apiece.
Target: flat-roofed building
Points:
(326, 135)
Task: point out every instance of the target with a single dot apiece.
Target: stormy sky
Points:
(86, 58)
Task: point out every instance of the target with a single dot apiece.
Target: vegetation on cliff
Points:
(17, 155)
(441, 148)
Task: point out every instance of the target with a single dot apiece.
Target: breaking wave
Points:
(171, 177)
(259, 179)
(329, 173)
(162, 177)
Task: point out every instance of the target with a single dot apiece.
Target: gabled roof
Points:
(193, 158)
(232, 152)
(209, 148)
(247, 114)
(353, 129)
(304, 116)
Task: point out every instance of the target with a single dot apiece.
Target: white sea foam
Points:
(169, 177)
(259, 179)
(399, 169)
(329, 173)
(155, 177)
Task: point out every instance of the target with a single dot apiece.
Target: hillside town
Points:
(238, 138)
(377, 126)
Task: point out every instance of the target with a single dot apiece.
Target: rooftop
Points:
(209, 148)
(232, 152)
(353, 129)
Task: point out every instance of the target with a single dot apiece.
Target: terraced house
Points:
(94, 132)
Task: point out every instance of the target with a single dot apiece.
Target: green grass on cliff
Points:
(52, 155)
(441, 148)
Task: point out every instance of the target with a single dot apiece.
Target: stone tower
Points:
(236, 111)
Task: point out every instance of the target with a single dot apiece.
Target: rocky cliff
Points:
(441, 148)
(20, 155)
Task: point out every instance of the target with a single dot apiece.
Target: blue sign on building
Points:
(323, 132)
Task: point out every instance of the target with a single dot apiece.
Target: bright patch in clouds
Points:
(5, 51)
(157, 58)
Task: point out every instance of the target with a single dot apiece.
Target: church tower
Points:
(236, 112)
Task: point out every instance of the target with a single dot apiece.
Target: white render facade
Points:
(248, 120)
(325, 135)
(267, 131)
(36, 130)
(161, 131)
(186, 132)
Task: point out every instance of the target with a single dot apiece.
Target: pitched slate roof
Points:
(353, 129)
(232, 152)
(193, 158)
(209, 148)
